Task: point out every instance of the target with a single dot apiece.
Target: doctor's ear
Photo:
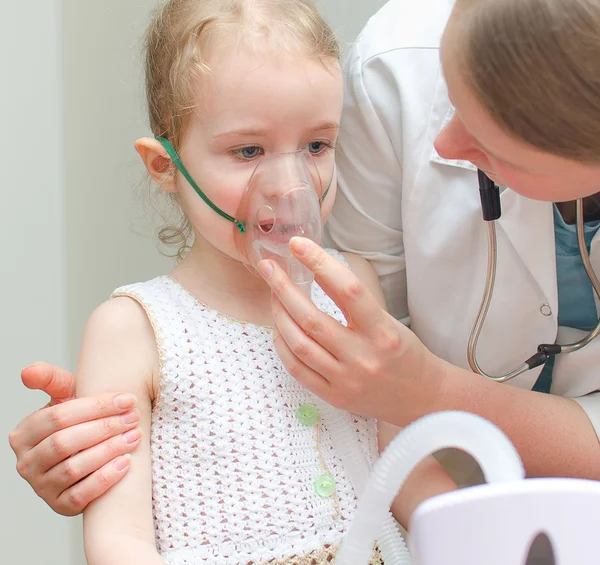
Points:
(157, 162)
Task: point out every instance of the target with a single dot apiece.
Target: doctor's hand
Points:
(73, 450)
(374, 366)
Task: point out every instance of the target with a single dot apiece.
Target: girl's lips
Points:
(277, 232)
(266, 226)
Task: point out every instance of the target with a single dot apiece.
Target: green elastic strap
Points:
(327, 191)
(175, 158)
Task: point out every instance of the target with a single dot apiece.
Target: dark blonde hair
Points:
(182, 34)
(535, 67)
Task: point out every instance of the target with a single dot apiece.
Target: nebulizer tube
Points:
(493, 451)
(339, 423)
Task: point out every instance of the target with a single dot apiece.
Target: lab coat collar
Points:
(529, 225)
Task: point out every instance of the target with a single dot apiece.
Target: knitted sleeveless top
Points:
(242, 465)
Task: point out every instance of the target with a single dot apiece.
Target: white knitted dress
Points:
(233, 464)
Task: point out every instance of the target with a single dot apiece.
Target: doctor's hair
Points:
(535, 67)
(180, 40)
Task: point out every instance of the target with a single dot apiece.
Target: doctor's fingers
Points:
(345, 384)
(57, 383)
(305, 346)
(338, 387)
(312, 380)
(67, 484)
(290, 301)
(340, 283)
(38, 426)
(33, 463)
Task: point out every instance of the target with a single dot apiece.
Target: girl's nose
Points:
(454, 142)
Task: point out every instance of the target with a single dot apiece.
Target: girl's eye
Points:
(316, 147)
(248, 153)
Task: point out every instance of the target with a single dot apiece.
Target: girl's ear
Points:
(157, 162)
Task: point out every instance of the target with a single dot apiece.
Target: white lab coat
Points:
(417, 217)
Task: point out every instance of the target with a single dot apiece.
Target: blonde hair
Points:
(535, 67)
(183, 33)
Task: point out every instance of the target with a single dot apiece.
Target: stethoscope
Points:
(490, 204)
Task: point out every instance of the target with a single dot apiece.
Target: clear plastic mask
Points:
(283, 200)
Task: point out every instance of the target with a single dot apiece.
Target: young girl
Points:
(235, 464)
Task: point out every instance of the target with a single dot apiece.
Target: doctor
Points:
(514, 91)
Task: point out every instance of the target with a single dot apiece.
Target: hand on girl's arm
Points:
(118, 353)
(71, 450)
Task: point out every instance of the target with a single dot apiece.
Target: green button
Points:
(325, 486)
(308, 415)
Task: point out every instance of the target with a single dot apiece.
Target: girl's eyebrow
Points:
(327, 125)
(251, 132)
(243, 132)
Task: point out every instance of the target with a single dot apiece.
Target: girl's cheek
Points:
(225, 194)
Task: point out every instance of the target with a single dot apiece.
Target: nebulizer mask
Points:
(282, 200)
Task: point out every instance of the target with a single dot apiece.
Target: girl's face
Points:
(474, 136)
(251, 107)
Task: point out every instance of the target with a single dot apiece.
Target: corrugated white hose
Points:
(494, 452)
(340, 426)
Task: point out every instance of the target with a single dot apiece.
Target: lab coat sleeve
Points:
(367, 215)
(591, 404)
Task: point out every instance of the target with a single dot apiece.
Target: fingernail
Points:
(132, 436)
(124, 401)
(122, 462)
(266, 269)
(131, 418)
(300, 245)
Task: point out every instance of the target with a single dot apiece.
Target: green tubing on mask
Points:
(327, 191)
(175, 158)
(177, 161)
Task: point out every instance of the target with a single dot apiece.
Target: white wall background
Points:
(71, 105)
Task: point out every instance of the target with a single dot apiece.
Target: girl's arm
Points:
(118, 353)
(429, 478)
